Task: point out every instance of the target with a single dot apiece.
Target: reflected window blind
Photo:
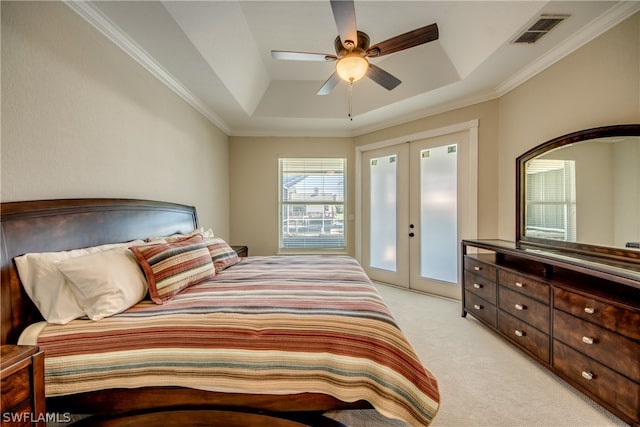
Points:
(551, 199)
(312, 200)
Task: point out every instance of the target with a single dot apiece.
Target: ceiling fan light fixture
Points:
(352, 67)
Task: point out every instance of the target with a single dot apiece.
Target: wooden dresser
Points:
(575, 314)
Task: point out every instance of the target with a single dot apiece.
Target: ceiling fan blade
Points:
(328, 86)
(383, 78)
(344, 13)
(405, 41)
(302, 56)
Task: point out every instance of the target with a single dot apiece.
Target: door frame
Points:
(470, 220)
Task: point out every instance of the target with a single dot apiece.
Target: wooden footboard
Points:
(121, 401)
(208, 417)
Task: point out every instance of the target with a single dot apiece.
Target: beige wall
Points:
(254, 186)
(80, 118)
(597, 85)
(254, 207)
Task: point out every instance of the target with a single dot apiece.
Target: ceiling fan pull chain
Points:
(350, 103)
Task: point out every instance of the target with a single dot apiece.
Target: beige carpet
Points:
(483, 381)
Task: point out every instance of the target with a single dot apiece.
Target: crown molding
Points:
(601, 24)
(102, 23)
(428, 112)
(422, 113)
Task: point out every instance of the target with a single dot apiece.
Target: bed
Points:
(276, 335)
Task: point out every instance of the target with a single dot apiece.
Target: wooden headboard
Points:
(57, 225)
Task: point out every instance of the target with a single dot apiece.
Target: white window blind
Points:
(312, 200)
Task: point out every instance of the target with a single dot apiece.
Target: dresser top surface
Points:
(622, 271)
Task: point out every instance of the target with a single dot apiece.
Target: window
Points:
(551, 199)
(312, 203)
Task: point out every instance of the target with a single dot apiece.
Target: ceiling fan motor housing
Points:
(363, 45)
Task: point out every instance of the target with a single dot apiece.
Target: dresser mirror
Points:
(581, 192)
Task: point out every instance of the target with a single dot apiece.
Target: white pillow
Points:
(48, 288)
(175, 237)
(105, 283)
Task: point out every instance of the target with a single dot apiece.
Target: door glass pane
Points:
(383, 207)
(438, 213)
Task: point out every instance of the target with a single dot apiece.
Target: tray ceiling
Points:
(216, 55)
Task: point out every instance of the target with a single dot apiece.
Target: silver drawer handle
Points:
(520, 307)
(477, 306)
(520, 285)
(477, 286)
(476, 268)
(589, 310)
(519, 333)
(587, 375)
(587, 340)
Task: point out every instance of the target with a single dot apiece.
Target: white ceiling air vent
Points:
(539, 28)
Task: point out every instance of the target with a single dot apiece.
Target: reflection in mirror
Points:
(587, 192)
(551, 199)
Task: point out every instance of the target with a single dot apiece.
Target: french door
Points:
(385, 225)
(415, 200)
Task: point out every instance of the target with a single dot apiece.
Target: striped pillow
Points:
(172, 267)
(222, 254)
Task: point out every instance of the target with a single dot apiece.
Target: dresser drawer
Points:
(615, 351)
(525, 285)
(618, 319)
(480, 308)
(481, 286)
(481, 268)
(602, 382)
(524, 335)
(527, 309)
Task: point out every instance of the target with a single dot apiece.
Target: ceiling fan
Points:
(352, 50)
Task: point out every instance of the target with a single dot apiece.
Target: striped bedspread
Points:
(268, 325)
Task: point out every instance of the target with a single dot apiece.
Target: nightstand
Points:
(22, 400)
(242, 251)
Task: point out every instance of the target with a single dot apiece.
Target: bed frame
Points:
(56, 225)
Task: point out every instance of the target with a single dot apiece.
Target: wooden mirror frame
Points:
(582, 248)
